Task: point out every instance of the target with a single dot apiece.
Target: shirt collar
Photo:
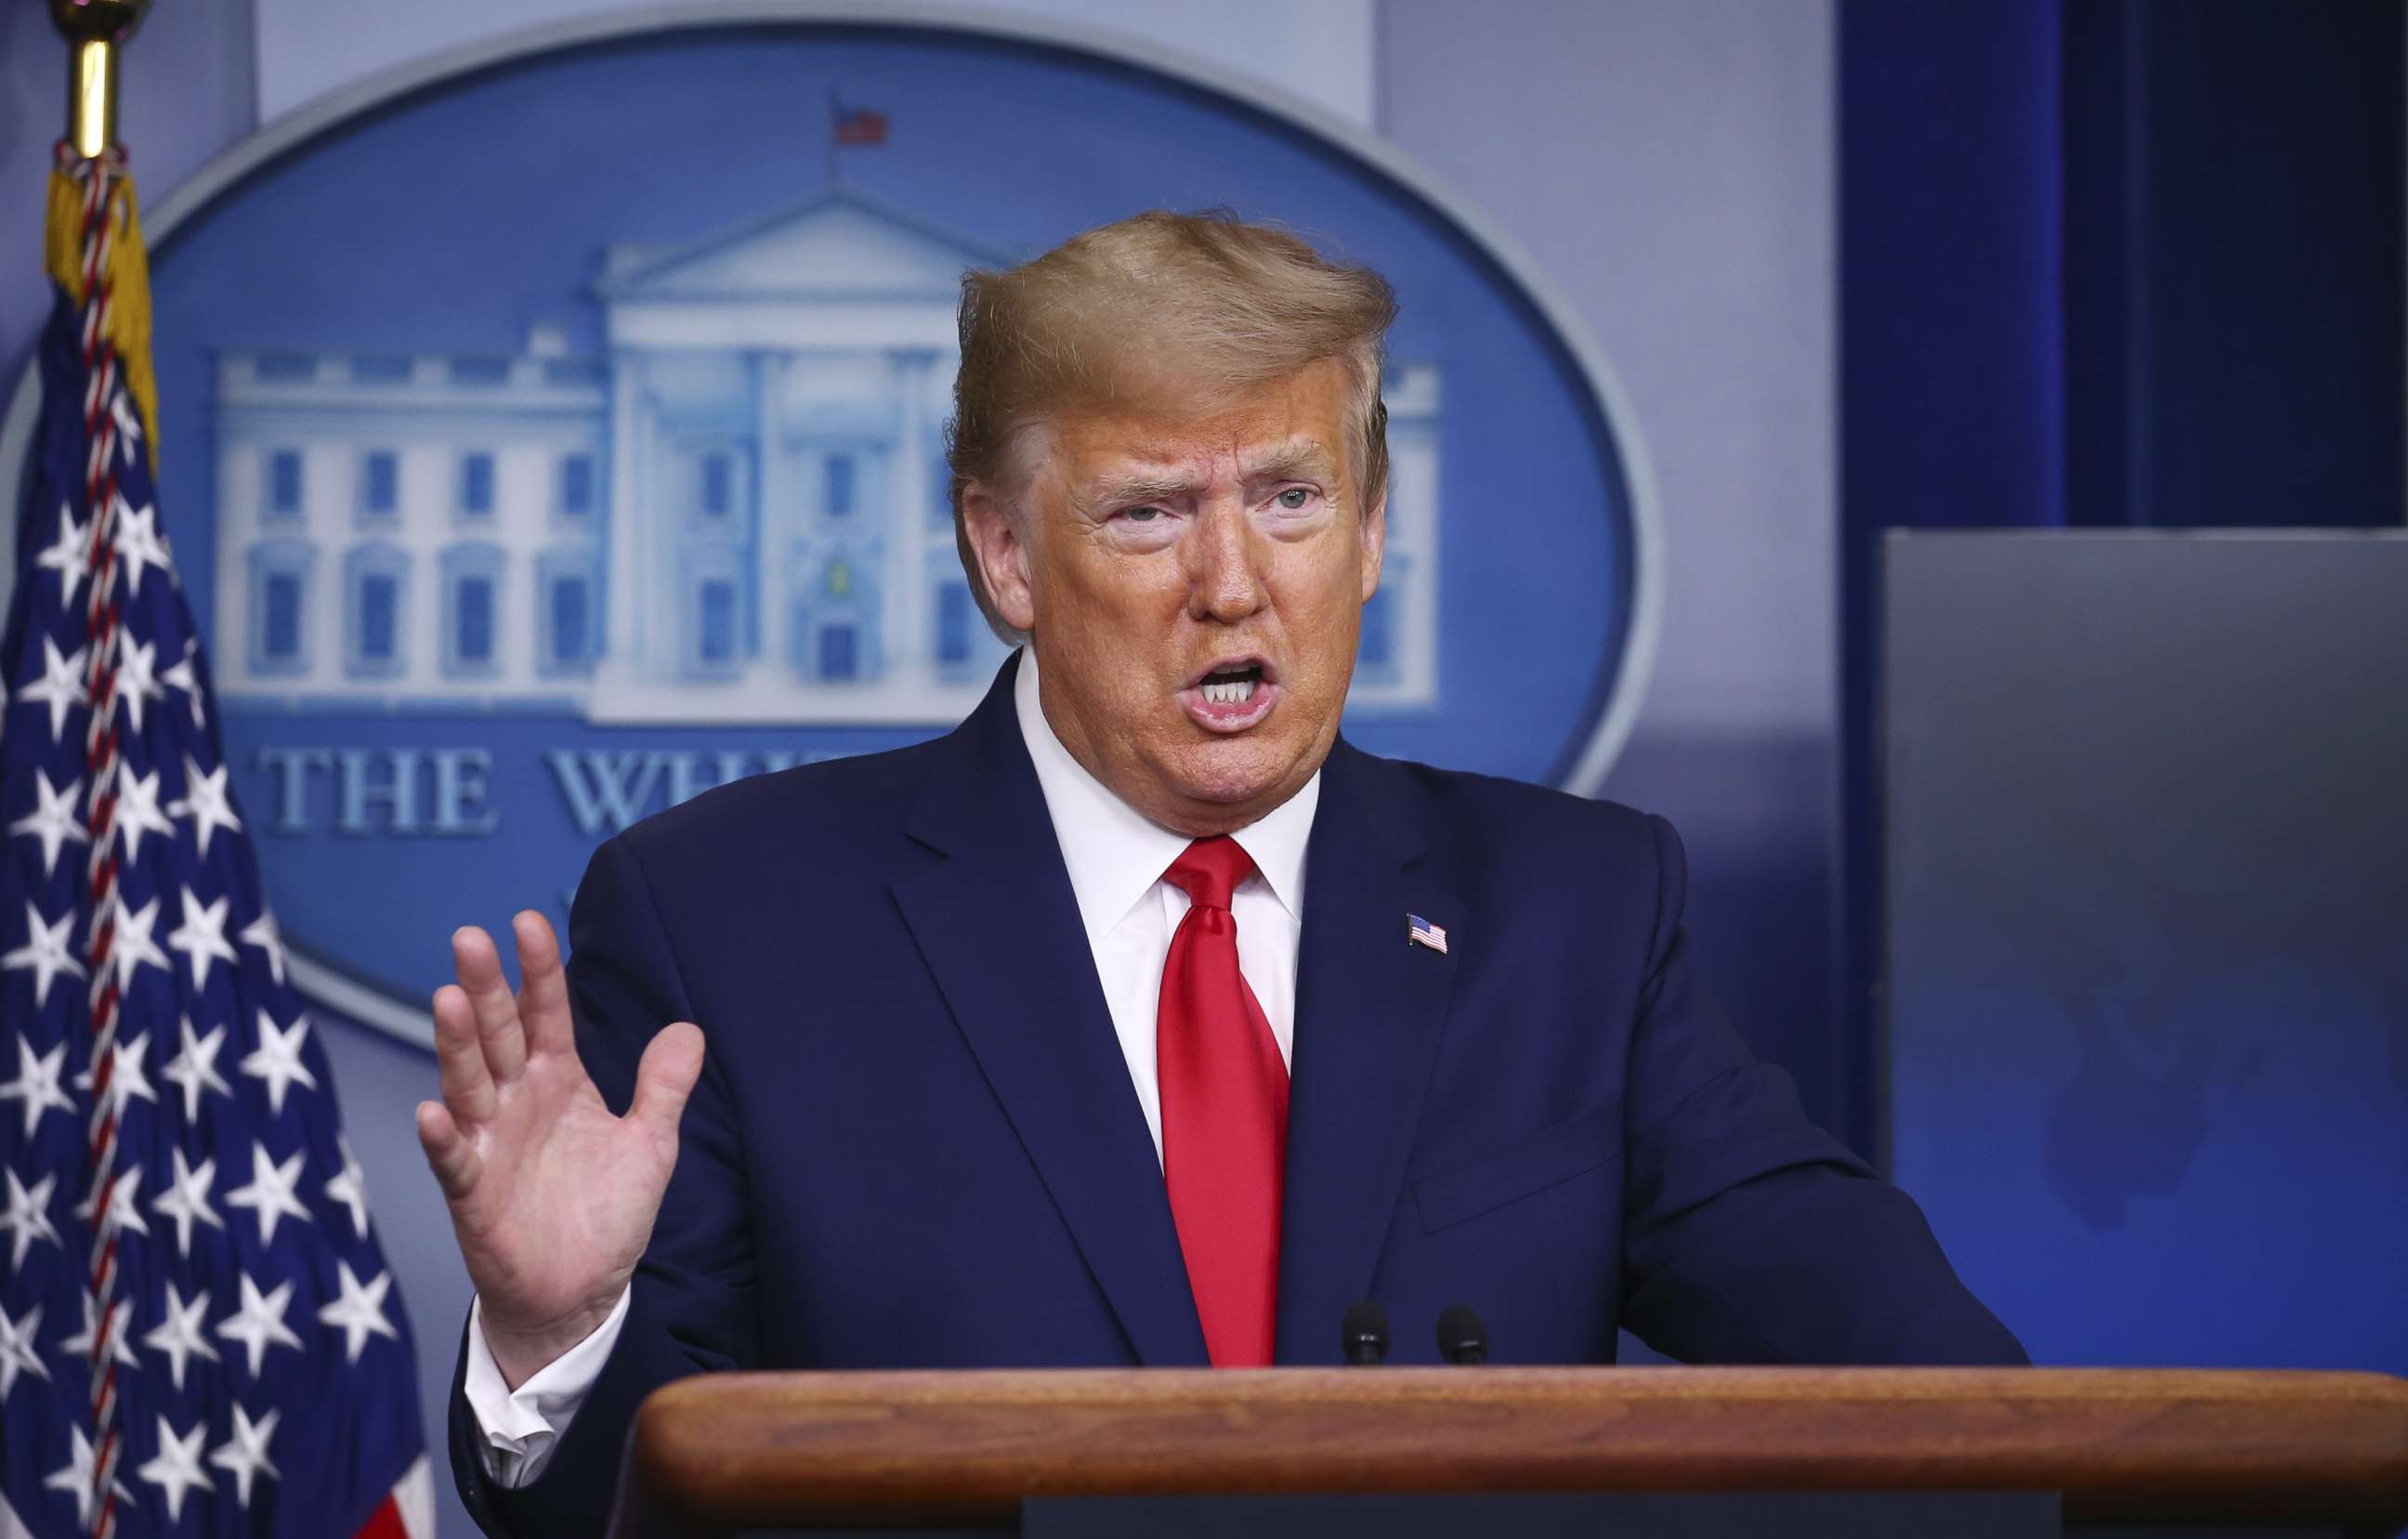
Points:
(1116, 853)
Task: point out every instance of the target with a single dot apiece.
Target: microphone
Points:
(1461, 1336)
(1363, 1335)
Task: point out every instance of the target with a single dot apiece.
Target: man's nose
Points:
(1223, 582)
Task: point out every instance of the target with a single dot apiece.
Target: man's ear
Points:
(1375, 545)
(1002, 555)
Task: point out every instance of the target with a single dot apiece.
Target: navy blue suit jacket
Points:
(914, 1143)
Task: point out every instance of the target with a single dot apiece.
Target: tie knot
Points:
(1211, 870)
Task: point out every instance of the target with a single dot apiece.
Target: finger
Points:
(543, 987)
(665, 1077)
(449, 1153)
(468, 1087)
(480, 966)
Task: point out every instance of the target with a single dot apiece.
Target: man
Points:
(1141, 1020)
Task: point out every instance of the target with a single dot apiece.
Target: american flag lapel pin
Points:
(1420, 932)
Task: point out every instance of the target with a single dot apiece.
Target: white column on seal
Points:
(777, 526)
(909, 650)
(629, 502)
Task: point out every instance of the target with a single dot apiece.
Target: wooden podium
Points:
(2306, 1451)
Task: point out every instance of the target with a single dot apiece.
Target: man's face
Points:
(1193, 589)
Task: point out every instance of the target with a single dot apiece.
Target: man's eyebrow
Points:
(1156, 485)
(1288, 460)
(1140, 487)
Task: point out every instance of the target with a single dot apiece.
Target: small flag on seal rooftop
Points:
(857, 126)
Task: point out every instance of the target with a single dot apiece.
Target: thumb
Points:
(665, 1077)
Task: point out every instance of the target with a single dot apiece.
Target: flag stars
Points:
(17, 1352)
(207, 803)
(183, 677)
(178, 1334)
(259, 1323)
(60, 688)
(349, 1188)
(359, 1312)
(137, 676)
(276, 1060)
(128, 1080)
(28, 1218)
(69, 556)
(46, 952)
(201, 936)
(133, 948)
(138, 544)
(193, 1070)
(176, 1469)
(269, 1194)
(144, 816)
(79, 1348)
(245, 1453)
(187, 1200)
(129, 425)
(138, 812)
(262, 933)
(37, 1080)
(76, 1478)
(54, 820)
(123, 1211)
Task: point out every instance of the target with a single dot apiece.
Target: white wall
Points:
(1320, 48)
(1670, 164)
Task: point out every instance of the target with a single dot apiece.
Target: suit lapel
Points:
(999, 928)
(1370, 1008)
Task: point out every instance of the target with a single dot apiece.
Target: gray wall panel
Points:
(2147, 861)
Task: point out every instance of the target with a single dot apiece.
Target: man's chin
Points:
(1238, 774)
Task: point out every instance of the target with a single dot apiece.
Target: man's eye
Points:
(1141, 515)
(1294, 497)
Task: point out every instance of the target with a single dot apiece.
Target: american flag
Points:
(856, 126)
(1420, 932)
(198, 1332)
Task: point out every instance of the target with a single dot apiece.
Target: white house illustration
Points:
(735, 514)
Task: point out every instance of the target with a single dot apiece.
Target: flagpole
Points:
(95, 32)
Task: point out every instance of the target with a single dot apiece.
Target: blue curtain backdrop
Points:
(2103, 262)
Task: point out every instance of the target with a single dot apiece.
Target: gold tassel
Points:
(129, 282)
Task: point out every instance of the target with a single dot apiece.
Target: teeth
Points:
(1235, 693)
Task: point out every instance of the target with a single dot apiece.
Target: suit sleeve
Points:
(1751, 1234)
(691, 1307)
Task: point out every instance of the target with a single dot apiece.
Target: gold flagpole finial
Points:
(95, 31)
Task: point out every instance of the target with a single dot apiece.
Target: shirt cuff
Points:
(523, 1426)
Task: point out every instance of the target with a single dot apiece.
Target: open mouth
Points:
(1233, 686)
(1232, 695)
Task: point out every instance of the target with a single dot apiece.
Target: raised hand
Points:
(552, 1197)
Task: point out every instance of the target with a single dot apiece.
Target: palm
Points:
(530, 1228)
(553, 1197)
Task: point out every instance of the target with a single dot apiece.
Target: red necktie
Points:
(1224, 1112)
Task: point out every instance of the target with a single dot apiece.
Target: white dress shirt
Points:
(1116, 857)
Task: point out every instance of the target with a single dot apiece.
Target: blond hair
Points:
(1184, 312)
